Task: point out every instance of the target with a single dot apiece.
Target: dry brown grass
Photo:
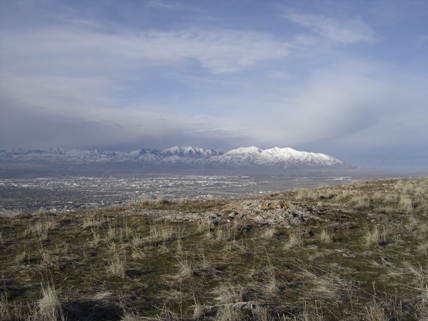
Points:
(43, 224)
(375, 235)
(364, 258)
(117, 266)
(294, 240)
(49, 306)
(326, 236)
(93, 220)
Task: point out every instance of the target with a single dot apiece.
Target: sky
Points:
(345, 78)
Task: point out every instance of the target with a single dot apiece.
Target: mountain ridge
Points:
(178, 155)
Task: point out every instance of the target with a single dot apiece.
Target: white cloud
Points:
(348, 31)
(220, 51)
(42, 112)
(66, 79)
(162, 4)
(353, 111)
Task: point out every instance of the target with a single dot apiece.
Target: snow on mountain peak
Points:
(274, 156)
(190, 151)
(245, 150)
(243, 156)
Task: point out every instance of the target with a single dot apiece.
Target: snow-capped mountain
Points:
(276, 156)
(244, 156)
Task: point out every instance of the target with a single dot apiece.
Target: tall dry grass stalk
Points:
(21, 258)
(183, 201)
(360, 201)
(203, 262)
(406, 204)
(228, 293)
(114, 232)
(375, 313)
(326, 237)
(93, 220)
(117, 266)
(270, 233)
(374, 236)
(294, 240)
(185, 270)
(137, 241)
(42, 226)
(96, 237)
(224, 234)
(205, 225)
(311, 312)
(161, 232)
(49, 306)
(228, 313)
(145, 201)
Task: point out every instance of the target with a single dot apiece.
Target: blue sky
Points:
(346, 78)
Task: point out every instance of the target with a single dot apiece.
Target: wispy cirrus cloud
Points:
(68, 75)
(220, 51)
(351, 109)
(162, 4)
(349, 31)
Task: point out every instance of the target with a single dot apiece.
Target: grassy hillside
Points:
(354, 252)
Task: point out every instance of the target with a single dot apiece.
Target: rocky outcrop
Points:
(274, 212)
(260, 212)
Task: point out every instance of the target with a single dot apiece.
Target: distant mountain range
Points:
(177, 156)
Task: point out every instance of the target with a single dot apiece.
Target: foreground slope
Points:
(352, 252)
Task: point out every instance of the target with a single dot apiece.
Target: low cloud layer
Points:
(339, 81)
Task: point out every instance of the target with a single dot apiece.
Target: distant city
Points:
(60, 180)
(65, 193)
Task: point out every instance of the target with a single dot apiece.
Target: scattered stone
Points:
(273, 212)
